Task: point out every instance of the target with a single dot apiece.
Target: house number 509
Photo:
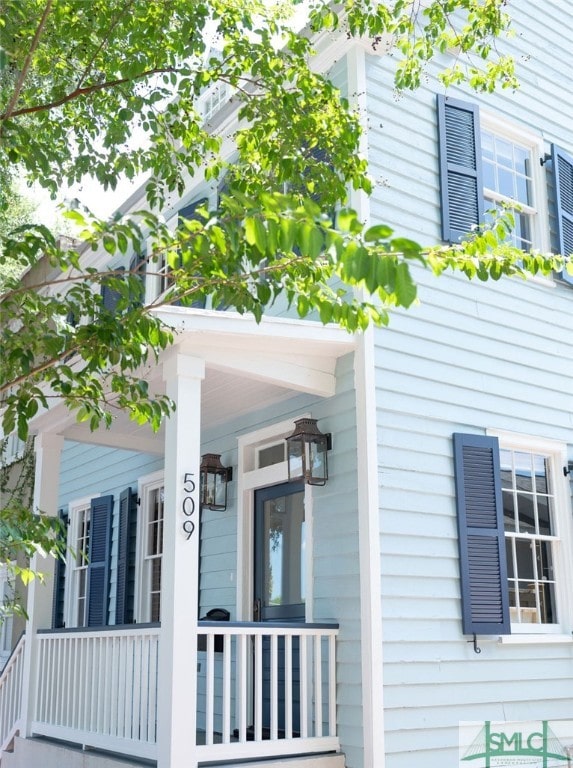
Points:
(188, 504)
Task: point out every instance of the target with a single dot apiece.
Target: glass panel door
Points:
(280, 572)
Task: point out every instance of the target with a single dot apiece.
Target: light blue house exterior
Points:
(441, 609)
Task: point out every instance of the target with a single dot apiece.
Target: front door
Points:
(280, 582)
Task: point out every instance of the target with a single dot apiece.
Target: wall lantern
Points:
(214, 480)
(307, 453)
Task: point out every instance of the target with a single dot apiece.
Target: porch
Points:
(263, 690)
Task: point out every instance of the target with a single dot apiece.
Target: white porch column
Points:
(177, 694)
(48, 450)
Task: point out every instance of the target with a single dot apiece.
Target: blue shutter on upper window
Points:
(109, 295)
(563, 176)
(138, 266)
(99, 560)
(190, 213)
(483, 567)
(460, 168)
(126, 554)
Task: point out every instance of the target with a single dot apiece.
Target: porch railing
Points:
(266, 689)
(99, 688)
(262, 689)
(11, 695)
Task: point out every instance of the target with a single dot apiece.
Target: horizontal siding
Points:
(90, 470)
(514, 373)
(470, 357)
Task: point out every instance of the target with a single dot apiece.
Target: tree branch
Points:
(84, 91)
(27, 63)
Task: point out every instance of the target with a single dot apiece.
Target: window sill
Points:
(535, 639)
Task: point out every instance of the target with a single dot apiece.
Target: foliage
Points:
(23, 533)
(112, 89)
(19, 212)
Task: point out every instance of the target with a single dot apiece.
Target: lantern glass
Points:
(214, 479)
(307, 453)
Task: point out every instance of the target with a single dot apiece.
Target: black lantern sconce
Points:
(568, 470)
(307, 449)
(214, 480)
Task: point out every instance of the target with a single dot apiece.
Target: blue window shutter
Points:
(109, 296)
(99, 560)
(460, 168)
(138, 266)
(124, 601)
(59, 583)
(190, 213)
(483, 568)
(563, 175)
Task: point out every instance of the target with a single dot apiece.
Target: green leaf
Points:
(378, 232)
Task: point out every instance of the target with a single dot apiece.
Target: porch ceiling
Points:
(248, 367)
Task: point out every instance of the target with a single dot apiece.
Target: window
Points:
(486, 163)
(507, 180)
(530, 536)
(79, 565)
(163, 279)
(151, 547)
(515, 534)
(87, 569)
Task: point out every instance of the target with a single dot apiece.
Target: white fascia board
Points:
(304, 336)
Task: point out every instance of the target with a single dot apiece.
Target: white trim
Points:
(373, 728)
(557, 639)
(556, 453)
(250, 479)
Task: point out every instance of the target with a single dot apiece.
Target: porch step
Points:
(42, 753)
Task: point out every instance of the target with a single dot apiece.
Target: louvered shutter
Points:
(124, 601)
(563, 175)
(460, 168)
(99, 560)
(137, 265)
(483, 568)
(59, 582)
(109, 296)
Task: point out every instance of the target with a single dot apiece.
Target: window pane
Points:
(487, 149)
(522, 190)
(508, 511)
(525, 513)
(505, 183)
(505, 461)
(540, 469)
(544, 556)
(528, 606)
(488, 175)
(547, 603)
(504, 152)
(521, 160)
(524, 556)
(544, 516)
(509, 558)
(523, 471)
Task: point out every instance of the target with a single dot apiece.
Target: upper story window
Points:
(486, 163)
(508, 180)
